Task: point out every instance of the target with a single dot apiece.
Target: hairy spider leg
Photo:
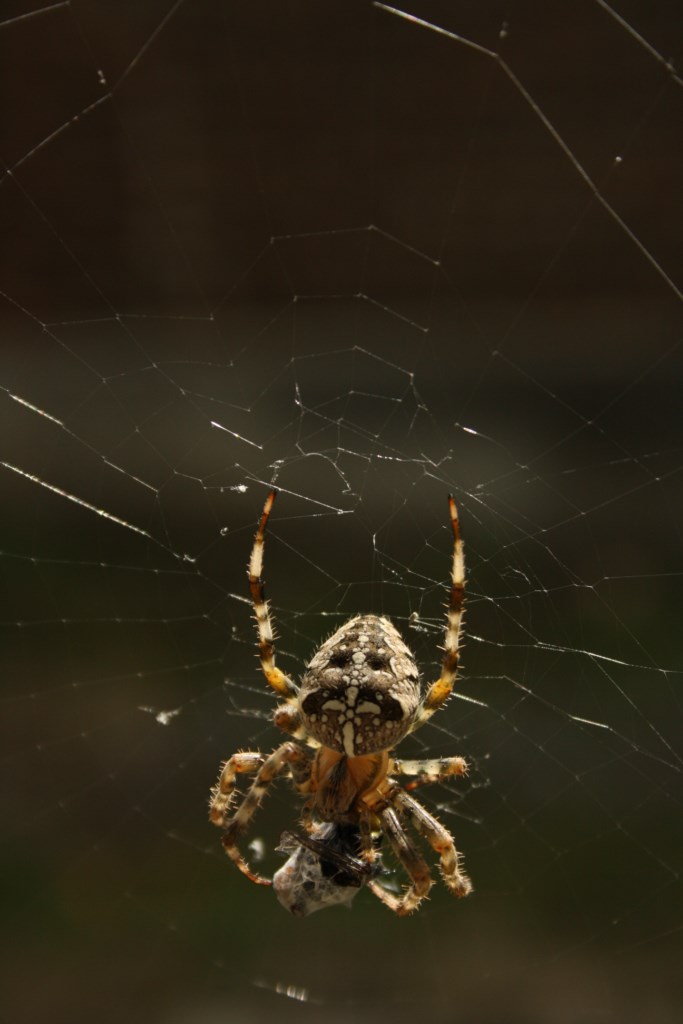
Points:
(266, 638)
(221, 794)
(438, 837)
(419, 878)
(439, 692)
(287, 755)
(429, 770)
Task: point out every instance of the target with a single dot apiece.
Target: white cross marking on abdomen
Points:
(350, 716)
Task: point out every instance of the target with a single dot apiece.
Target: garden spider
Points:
(360, 695)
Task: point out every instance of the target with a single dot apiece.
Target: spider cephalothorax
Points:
(360, 695)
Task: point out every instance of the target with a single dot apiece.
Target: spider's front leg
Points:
(438, 837)
(289, 755)
(221, 795)
(410, 858)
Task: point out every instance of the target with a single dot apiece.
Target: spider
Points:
(359, 696)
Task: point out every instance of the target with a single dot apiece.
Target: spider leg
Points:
(436, 769)
(288, 755)
(266, 638)
(369, 851)
(288, 718)
(420, 880)
(221, 794)
(439, 692)
(438, 837)
(369, 831)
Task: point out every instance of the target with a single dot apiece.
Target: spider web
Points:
(374, 256)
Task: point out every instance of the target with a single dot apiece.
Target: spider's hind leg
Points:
(281, 683)
(439, 692)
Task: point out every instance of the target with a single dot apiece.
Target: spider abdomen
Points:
(361, 689)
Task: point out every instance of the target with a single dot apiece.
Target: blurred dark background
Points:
(322, 245)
